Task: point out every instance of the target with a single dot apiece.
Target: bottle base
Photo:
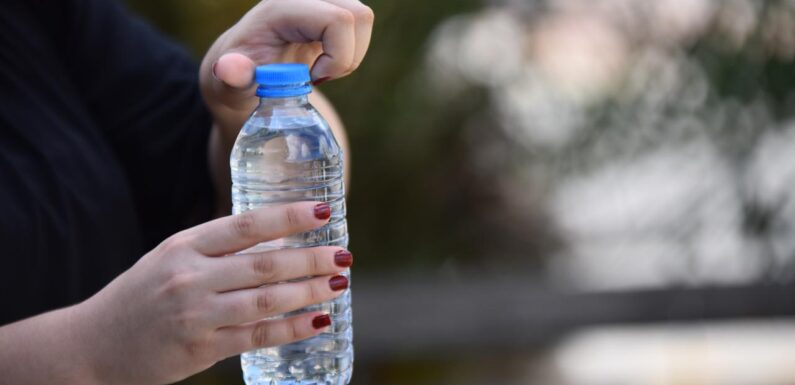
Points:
(338, 379)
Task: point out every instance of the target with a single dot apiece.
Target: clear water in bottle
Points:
(286, 153)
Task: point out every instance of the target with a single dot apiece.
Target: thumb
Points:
(235, 70)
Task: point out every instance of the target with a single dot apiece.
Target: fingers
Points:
(235, 75)
(256, 269)
(363, 28)
(238, 232)
(305, 21)
(342, 28)
(238, 339)
(235, 70)
(338, 49)
(338, 38)
(243, 306)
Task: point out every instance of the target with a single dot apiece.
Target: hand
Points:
(188, 303)
(331, 36)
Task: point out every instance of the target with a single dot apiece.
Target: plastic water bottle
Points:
(286, 153)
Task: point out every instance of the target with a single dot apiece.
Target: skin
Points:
(187, 304)
(332, 36)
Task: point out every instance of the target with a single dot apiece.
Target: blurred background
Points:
(564, 192)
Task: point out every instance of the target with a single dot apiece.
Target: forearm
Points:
(46, 349)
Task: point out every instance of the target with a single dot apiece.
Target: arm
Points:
(331, 36)
(46, 348)
(184, 306)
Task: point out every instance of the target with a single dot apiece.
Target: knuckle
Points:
(354, 66)
(176, 242)
(187, 322)
(261, 335)
(314, 292)
(292, 217)
(343, 16)
(364, 13)
(292, 332)
(265, 302)
(199, 348)
(263, 266)
(177, 283)
(244, 224)
(313, 261)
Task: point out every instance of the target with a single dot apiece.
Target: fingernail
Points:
(322, 211)
(320, 81)
(321, 321)
(343, 258)
(213, 70)
(338, 283)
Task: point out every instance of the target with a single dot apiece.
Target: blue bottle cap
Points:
(282, 80)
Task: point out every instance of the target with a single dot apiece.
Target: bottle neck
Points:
(290, 101)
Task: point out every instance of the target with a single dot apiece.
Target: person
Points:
(112, 143)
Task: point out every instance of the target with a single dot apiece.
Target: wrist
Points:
(48, 348)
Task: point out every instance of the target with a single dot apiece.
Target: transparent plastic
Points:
(287, 153)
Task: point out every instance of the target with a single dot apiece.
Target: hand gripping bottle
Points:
(286, 152)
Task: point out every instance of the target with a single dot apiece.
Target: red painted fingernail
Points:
(320, 81)
(321, 321)
(322, 211)
(343, 258)
(338, 283)
(213, 70)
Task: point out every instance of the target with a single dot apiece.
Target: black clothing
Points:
(103, 149)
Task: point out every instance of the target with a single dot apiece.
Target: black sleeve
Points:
(143, 91)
